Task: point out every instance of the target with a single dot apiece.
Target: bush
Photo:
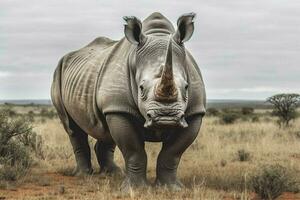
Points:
(255, 119)
(223, 163)
(272, 181)
(11, 113)
(243, 155)
(212, 112)
(247, 110)
(48, 113)
(229, 118)
(30, 116)
(226, 110)
(15, 163)
(16, 142)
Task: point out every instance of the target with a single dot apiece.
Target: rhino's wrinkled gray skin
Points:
(144, 87)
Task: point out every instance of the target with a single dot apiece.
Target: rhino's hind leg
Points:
(105, 156)
(81, 148)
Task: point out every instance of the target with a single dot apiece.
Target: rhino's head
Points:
(159, 68)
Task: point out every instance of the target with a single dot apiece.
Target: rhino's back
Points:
(79, 77)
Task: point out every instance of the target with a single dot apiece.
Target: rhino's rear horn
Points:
(166, 89)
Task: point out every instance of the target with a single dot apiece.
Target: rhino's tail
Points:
(56, 96)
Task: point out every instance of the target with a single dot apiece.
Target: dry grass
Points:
(210, 168)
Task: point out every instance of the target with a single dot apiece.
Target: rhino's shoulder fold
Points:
(197, 94)
(114, 84)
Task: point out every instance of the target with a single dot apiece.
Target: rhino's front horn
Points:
(166, 88)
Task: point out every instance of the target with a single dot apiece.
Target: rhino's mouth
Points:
(171, 119)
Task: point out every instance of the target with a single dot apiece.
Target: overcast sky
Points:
(246, 49)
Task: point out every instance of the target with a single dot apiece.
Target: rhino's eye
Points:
(143, 93)
(185, 94)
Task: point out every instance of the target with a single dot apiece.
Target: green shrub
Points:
(226, 110)
(16, 143)
(243, 155)
(48, 113)
(212, 112)
(12, 172)
(31, 115)
(43, 120)
(223, 163)
(272, 180)
(255, 119)
(229, 118)
(247, 110)
(11, 113)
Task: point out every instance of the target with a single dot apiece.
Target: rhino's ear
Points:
(185, 28)
(133, 30)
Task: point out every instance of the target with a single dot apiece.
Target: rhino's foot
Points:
(112, 170)
(128, 185)
(171, 185)
(83, 171)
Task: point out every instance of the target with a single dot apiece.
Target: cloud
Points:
(258, 90)
(4, 74)
(240, 46)
(256, 93)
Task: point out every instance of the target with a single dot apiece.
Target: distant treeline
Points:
(33, 102)
(221, 104)
(211, 103)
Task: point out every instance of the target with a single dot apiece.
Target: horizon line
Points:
(240, 99)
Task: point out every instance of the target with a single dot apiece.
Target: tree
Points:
(285, 106)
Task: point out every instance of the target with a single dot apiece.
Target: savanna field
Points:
(230, 159)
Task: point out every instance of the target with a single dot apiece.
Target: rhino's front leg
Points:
(172, 149)
(125, 132)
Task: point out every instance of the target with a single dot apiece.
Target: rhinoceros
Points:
(145, 87)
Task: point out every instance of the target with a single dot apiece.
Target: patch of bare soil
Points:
(49, 184)
(289, 196)
(56, 186)
(284, 196)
